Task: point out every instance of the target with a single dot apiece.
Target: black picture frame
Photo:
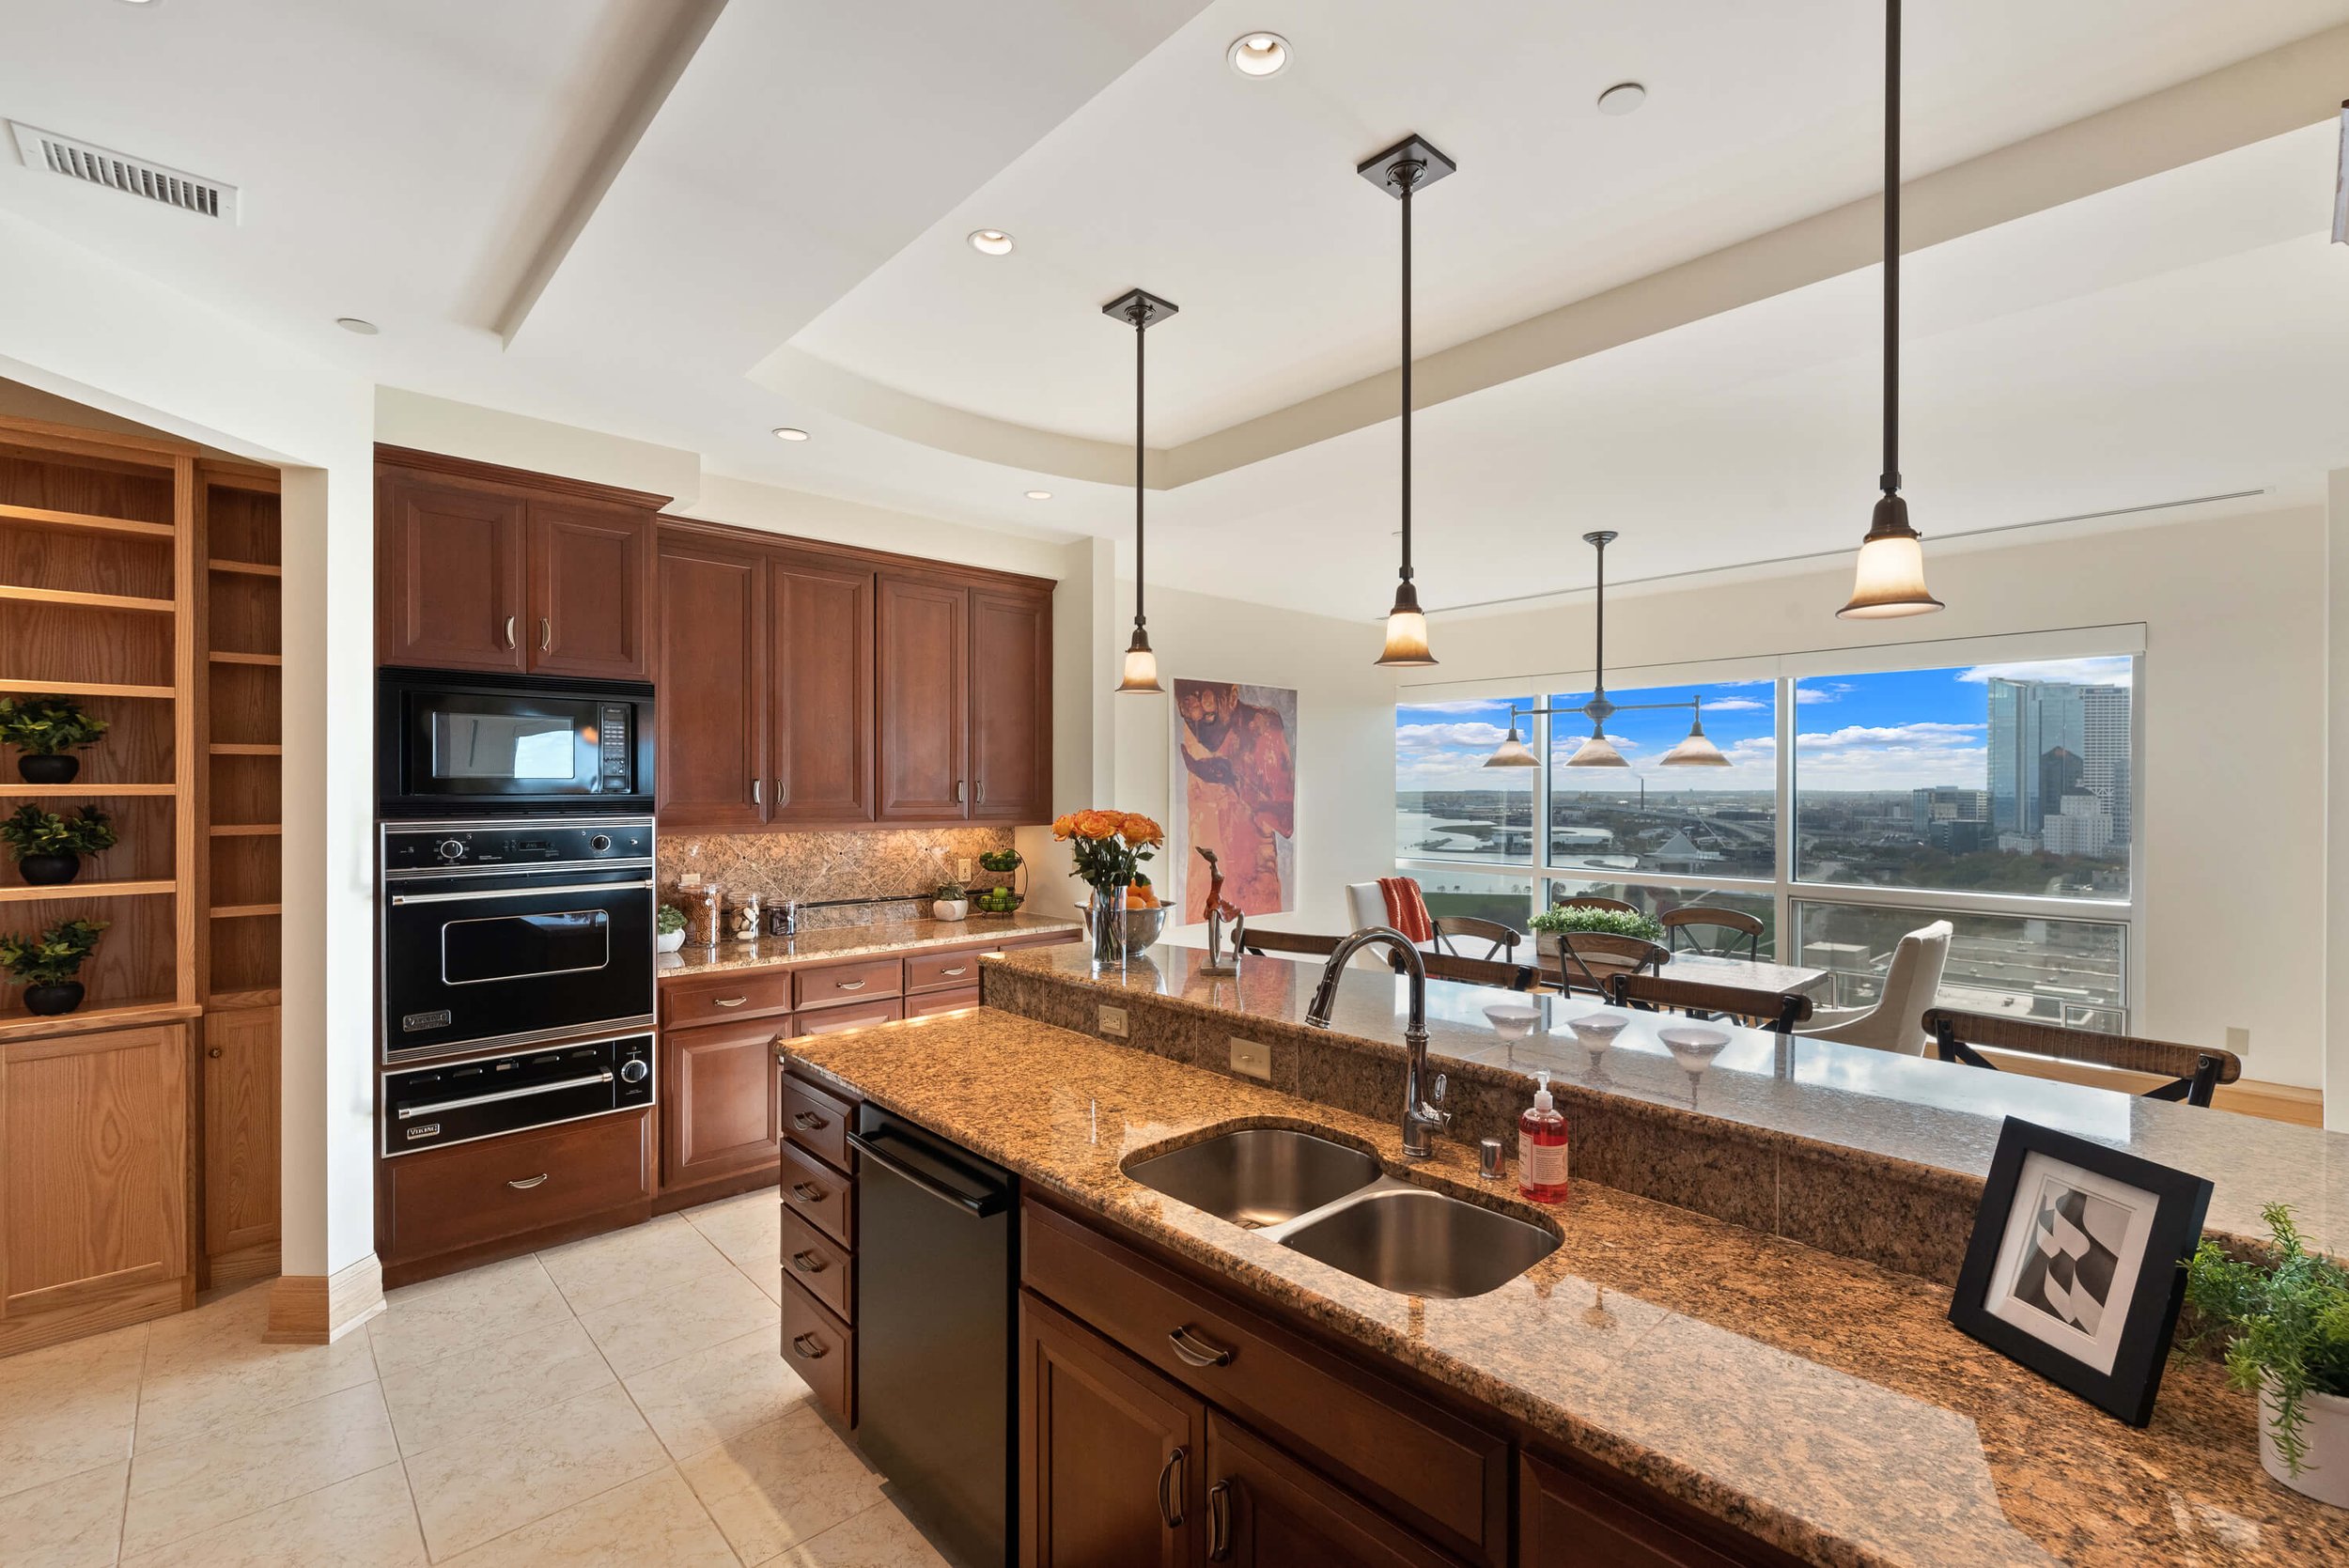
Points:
(2091, 1217)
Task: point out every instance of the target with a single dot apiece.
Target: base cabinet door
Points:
(1564, 1522)
(241, 1123)
(1264, 1510)
(1110, 1471)
(723, 1110)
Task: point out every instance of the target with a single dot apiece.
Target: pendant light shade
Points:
(1411, 165)
(1513, 753)
(1697, 751)
(1889, 578)
(1140, 671)
(1597, 752)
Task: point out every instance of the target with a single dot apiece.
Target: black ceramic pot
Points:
(57, 769)
(49, 870)
(49, 1000)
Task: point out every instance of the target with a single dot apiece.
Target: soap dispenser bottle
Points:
(1542, 1148)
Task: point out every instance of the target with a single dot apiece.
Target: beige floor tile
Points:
(69, 1407)
(748, 1229)
(179, 1490)
(69, 1523)
(654, 1522)
(232, 1317)
(657, 1255)
(651, 1329)
(508, 1473)
(239, 1378)
(881, 1537)
(783, 1483)
(463, 1311)
(444, 1400)
(698, 1400)
(365, 1522)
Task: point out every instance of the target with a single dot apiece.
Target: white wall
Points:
(2336, 1066)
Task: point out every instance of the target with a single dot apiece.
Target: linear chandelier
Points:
(1598, 750)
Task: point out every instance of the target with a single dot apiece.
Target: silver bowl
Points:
(1137, 929)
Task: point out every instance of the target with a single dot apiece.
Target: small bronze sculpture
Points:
(1219, 910)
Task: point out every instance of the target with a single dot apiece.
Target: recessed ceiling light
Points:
(789, 432)
(990, 242)
(1622, 98)
(1040, 495)
(348, 323)
(1258, 53)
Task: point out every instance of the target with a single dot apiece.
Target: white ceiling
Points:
(800, 190)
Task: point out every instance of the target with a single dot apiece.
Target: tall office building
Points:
(2049, 738)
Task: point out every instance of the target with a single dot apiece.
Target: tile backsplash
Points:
(814, 866)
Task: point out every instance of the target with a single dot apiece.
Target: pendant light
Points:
(1411, 165)
(1890, 578)
(1597, 750)
(1144, 310)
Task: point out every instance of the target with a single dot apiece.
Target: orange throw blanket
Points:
(1406, 912)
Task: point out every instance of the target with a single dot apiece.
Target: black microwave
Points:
(461, 744)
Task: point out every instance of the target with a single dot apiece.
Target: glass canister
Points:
(704, 914)
(742, 921)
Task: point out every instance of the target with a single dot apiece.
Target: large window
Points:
(2000, 796)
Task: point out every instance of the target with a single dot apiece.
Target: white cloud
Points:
(1464, 704)
(1423, 738)
(1892, 756)
(1807, 692)
(1735, 704)
(2084, 671)
(1877, 736)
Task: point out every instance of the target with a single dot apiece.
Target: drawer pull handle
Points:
(810, 1347)
(1171, 1491)
(957, 971)
(1218, 1521)
(546, 635)
(1197, 1351)
(509, 632)
(728, 1002)
(847, 984)
(807, 1121)
(528, 1182)
(809, 1261)
(808, 1192)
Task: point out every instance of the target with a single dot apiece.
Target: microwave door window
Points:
(516, 747)
(524, 947)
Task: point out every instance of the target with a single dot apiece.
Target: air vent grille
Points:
(119, 171)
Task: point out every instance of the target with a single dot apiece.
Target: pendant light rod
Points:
(1599, 542)
(1140, 315)
(1891, 479)
(1408, 172)
(1142, 310)
(1402, 171)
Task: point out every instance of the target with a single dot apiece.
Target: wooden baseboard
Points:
(319, 1308)
(2278, 1102)
(160, 1298)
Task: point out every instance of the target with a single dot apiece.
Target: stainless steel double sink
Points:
(1333, 1203)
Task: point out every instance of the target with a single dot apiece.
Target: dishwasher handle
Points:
(977, 1201)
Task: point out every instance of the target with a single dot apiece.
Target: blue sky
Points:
(1889, 731)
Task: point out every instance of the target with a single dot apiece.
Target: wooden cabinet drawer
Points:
(831, 1020)
(942, 1002)
(816, 1122)
(1446, 1479)
(820, 1195)
(829, 984)
(818, 1266)
(1563, 1520)
(444, 1199)
(821, 1349)
(722, 997)
(943, 971)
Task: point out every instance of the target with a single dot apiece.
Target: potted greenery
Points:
(1579, 917)
(668, 929)
(49, 847)
(952, 901)
(45, 965)
(2286, 1322)
(45, 729)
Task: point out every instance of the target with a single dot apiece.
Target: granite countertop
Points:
(856, 941)
(1941, 1115)
(1821, 1404)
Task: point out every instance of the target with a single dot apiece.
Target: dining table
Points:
(1715, 968)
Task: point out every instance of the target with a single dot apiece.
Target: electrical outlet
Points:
(1113, 1022)
(691, 880)
(1252, 1059)
(964, 867)
(2239, 1040)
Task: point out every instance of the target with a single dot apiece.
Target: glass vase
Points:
(1104, 917)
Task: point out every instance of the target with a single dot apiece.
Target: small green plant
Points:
(669, 920)
(2286, 1323)
(45, 726)
(1000, 861)
(949, 890)
(1612, 923)
(31, 830)
(52, 958)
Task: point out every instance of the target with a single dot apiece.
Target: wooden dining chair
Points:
(1502, 938)
(1695, 917)
(1587, 959)
(1591, 901)
(1778, 1011)
(1482, 971)
(1260, 941)
(2194, 1071)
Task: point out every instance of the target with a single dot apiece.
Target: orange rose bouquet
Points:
(1110, 846)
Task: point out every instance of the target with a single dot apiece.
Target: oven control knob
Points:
(634, 1070)
(601, 842)
(450, 849)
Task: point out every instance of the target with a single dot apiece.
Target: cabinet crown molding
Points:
(520, 478)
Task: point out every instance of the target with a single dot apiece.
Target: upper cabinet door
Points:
(449, 588)
(820, 617)
(1011, 707)
(710, 693)
(590, 590)
(924, 678)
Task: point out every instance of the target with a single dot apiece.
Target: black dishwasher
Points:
(934, 1348)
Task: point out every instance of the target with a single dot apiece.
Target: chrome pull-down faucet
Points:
(1421, 1117)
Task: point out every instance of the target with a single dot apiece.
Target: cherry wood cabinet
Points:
(1011, 708)
(924, 628)
(710, 689)
(1566, 1522)
(723, 1111)
(483, 567)
(442, 1209)
(820, 618)
(1111, 1456)
(1266, 1509)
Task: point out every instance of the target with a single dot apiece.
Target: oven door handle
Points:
(405, 1111)
(399, 898)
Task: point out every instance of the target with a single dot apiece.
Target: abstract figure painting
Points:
(1235, 792)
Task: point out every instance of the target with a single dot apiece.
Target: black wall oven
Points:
(450, 743)
(433, 1106)
(500, 933)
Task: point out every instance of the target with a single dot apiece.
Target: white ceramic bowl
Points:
(1599, 1030)
(1513, 1020)
(1694, 1046)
